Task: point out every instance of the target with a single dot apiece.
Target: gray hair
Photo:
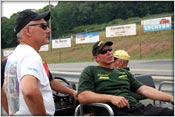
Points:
(19, 35)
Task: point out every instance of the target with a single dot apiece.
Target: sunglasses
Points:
(105, 51)
(44, 26)
(115, 58)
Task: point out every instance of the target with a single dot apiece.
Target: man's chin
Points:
(47, 42)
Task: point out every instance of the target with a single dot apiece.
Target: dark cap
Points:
(24, 17)
(98, 46)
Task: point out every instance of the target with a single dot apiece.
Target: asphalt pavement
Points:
(152, 67)
(160, 70)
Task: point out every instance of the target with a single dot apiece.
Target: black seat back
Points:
(146, 80)
(65, 104)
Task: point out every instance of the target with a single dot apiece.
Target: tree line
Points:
(66, 16)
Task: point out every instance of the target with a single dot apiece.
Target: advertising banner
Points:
(44, 48)
(61, 43)
(157, 24)
(7, 52)
(87, 38)
(122, 30)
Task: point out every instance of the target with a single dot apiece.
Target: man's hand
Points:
(120, 101)
(171, 100)
(74, 94)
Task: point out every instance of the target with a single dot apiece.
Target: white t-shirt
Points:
(25, 60)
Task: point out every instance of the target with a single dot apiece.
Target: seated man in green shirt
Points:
(104, 84)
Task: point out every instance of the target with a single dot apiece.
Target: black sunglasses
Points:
(105, 51)
(115, 58)
(44, 26)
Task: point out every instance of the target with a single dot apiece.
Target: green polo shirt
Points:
(117, 82)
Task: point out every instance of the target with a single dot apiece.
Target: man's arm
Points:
(4, 100)
(32, 95)
(58, 87)
(155, 94)
(91, 97)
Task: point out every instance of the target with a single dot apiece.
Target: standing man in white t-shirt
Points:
(26, 83)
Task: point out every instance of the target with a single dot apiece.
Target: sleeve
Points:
(86, 81)
(33, 66)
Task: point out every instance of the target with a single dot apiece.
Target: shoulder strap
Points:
(46, 68)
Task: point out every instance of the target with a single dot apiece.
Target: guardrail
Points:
(74, 76)
(70, 76)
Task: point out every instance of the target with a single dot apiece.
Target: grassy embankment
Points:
(151, 45)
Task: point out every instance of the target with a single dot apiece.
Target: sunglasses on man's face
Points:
(44, 26)
(106, 50)
(115, 58)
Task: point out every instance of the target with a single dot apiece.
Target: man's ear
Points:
(96, 58)
(120, 62)
(27, 31)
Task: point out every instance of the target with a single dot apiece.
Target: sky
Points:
(8, 8)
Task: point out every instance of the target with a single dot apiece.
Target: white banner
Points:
(87, 38)
(7, 52)
(44, 48)
(61, 43)
(157, 24)
(122, 30)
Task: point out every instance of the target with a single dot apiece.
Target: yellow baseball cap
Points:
(121, 54)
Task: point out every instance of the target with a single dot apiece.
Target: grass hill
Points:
(150, 45)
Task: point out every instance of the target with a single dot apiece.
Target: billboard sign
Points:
(87, 38)
(121, 30)
(61, 43)
(157, 24)
(44, 48)
(7, 52)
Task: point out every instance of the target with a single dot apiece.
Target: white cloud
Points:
(8, 8)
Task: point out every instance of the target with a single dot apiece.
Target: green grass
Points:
(154, 45)
(148, 46)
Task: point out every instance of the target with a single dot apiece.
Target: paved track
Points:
(161, 70)
(153, 67)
